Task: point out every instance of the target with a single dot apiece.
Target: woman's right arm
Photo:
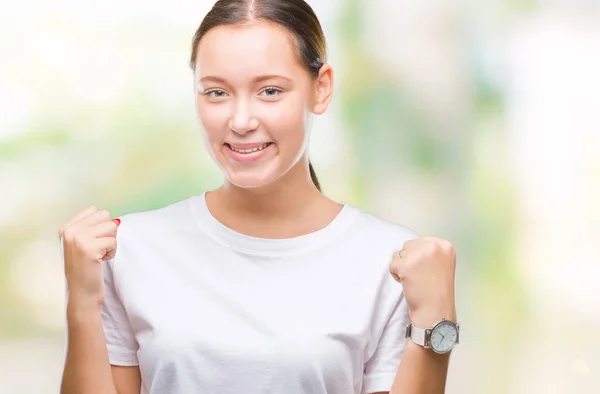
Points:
(87, 369)
(89, 239)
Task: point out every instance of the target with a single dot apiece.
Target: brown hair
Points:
(295, 15)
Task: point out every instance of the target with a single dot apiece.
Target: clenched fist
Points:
(88, 239)
(426, 268)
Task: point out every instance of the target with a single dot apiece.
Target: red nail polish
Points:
(118, 221)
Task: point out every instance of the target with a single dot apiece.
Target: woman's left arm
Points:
(421, 371)
(426, 268)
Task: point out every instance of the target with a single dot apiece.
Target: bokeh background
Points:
(477, 121)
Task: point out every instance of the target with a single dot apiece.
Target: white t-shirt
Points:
(204, 309)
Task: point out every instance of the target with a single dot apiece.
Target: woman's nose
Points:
(242, 121)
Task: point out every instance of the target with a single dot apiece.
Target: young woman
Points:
(263, 285)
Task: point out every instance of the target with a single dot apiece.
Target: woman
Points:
(263, 285)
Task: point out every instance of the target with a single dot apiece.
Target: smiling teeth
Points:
(249, 150)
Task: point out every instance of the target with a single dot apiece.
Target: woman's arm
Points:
(426, 268)
(421, 371)
(127, 379)
(87, 368)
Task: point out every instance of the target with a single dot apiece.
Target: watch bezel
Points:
(437, 326)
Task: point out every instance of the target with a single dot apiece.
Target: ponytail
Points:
(313, 176)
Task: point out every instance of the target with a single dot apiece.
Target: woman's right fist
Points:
(88, 239)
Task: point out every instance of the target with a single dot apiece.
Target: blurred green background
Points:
(478, 122)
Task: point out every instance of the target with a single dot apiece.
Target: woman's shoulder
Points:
(175, 213)
(372, 226)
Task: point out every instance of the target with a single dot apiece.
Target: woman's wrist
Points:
(430, 317)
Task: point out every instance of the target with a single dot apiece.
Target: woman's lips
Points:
(247, 153)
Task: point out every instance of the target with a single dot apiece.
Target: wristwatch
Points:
(441, 338)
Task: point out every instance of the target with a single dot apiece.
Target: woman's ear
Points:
(324, 89)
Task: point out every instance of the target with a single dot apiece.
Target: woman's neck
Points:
(289, 207)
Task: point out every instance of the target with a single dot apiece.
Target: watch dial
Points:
(444, 337)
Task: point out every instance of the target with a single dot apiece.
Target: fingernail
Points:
(118, 221)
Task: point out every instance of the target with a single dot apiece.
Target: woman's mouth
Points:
(246, 153)
(247, 150)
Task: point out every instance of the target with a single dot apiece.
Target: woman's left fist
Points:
(426, 268)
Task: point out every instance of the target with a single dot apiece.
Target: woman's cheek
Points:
(287, 117)
(213, 119)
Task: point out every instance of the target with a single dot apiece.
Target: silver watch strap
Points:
(417, 335)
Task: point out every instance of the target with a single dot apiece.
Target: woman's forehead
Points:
(258, 48)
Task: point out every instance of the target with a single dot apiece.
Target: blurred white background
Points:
(475, 121)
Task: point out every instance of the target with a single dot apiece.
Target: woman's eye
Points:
(271, 92)
(215, 93)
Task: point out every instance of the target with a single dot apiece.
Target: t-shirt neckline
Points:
(268, 246)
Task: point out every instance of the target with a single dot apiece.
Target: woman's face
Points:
(255, 101)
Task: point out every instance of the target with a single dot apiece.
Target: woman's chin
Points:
(255, 175)
(249, 180)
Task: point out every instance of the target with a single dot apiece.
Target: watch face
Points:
(443, 337)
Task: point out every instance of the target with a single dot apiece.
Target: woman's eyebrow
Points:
(261, 78)
(267, 77)
(212, 79)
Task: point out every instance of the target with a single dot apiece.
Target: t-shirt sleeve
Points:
(381, 368)
(120, 341)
